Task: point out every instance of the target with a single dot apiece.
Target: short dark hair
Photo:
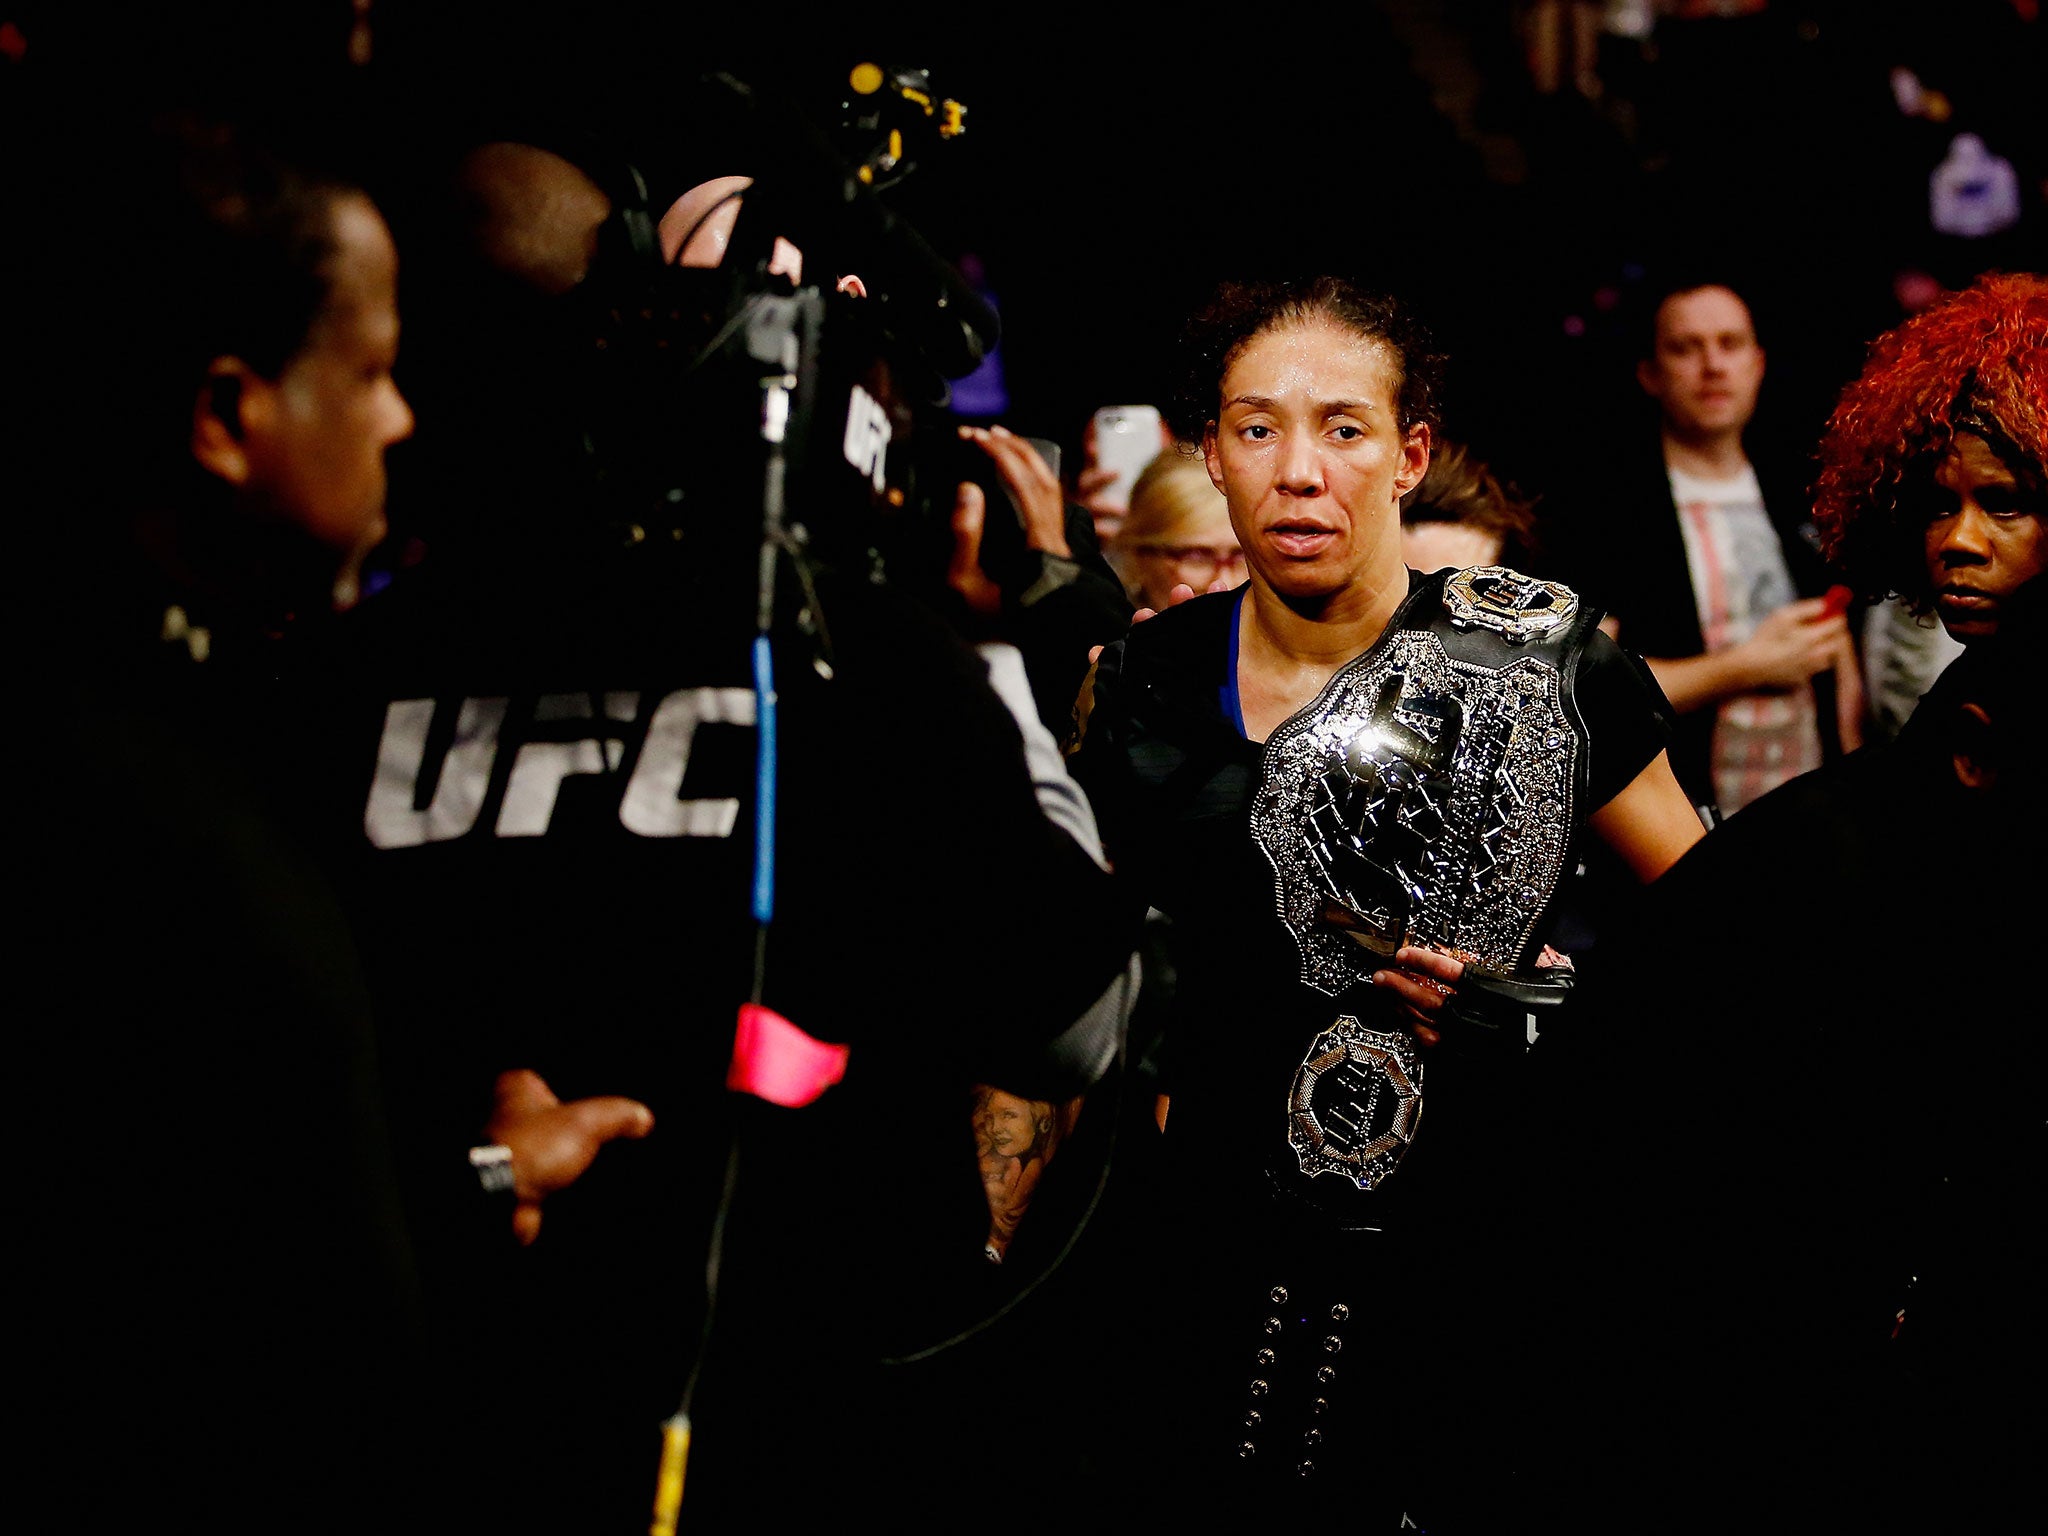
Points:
(1239, 311)
(1667, 286)
(234, 261)
(218, 246)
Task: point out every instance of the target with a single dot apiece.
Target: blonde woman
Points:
(1177, 533)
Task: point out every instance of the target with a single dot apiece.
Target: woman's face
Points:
(1307, 452)
(1983, 541)
(1010, 1124)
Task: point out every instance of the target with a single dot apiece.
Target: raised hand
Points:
(1033, 485)
(1794, 642)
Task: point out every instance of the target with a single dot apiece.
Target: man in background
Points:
(1699, 556)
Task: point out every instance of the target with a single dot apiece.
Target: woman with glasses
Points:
(1177, 533)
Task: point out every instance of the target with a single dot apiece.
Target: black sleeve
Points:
(1055, 635)
(924, 889)
(1096, 757)
(1787, 503)
(1056, 627)
(1627, 717)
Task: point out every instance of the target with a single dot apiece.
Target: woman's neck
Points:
(1288, 648)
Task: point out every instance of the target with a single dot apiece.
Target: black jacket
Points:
(1620, 545)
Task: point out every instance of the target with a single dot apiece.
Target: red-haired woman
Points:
(1934, 468)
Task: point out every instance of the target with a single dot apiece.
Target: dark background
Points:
(1112, 172)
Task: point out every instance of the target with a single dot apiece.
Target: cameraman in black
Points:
(562, 779)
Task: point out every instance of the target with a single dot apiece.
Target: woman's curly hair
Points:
(1239, 311)
(1973, 361)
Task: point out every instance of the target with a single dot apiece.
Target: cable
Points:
(676, 1432)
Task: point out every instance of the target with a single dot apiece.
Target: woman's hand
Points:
(1092, 484)
(1424, 981)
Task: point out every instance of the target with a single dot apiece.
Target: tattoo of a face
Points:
(1015, 1139)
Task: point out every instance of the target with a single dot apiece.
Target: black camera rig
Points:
(841, 391)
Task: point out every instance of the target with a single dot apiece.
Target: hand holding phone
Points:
(1124, 439)
(1025, 507)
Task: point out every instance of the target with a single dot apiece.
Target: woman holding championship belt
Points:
(1358, 790)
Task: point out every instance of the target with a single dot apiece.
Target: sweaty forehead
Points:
(1317, 359)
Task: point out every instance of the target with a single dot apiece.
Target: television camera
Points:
(840, 392)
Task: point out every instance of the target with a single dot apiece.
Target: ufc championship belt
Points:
(1426, 797)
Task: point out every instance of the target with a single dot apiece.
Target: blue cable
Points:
(764, 781)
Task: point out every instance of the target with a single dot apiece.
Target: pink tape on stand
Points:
(774, 1060)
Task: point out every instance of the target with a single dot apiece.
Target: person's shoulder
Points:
(1180, 653)
(1823, 819)
(1799, 858)
(1211, 609)
(1185, 630)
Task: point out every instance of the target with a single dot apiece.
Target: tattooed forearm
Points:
(1015, 1138)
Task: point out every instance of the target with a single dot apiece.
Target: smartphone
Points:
(1002, 537)
(971, 463)
(1126, 440)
